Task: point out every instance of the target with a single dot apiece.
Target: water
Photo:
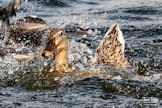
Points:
(23, 85)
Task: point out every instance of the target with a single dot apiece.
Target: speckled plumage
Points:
(111, 49)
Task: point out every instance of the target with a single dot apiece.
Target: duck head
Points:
(57, 46)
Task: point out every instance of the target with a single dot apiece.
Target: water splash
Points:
(4, 33)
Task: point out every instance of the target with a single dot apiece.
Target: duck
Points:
(111, 49)
(57, 46)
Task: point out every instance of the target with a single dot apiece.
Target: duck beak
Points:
(46, 53)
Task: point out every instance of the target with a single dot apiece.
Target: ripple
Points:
(107, 12)
(90, 3)
(130, 18)
(143, 10)
(142, 31)
(57, 3)
(136, 88)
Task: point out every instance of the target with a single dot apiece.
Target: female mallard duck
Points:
(111, 49)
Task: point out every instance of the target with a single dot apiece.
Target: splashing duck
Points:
(57, 46)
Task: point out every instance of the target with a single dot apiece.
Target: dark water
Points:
(141, 23)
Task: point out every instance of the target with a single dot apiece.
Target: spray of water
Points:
(4, 34)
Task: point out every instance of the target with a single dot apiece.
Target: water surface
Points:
(21, 85)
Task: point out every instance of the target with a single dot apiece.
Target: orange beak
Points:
(46, 53)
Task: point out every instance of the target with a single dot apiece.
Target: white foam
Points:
(79, 52)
